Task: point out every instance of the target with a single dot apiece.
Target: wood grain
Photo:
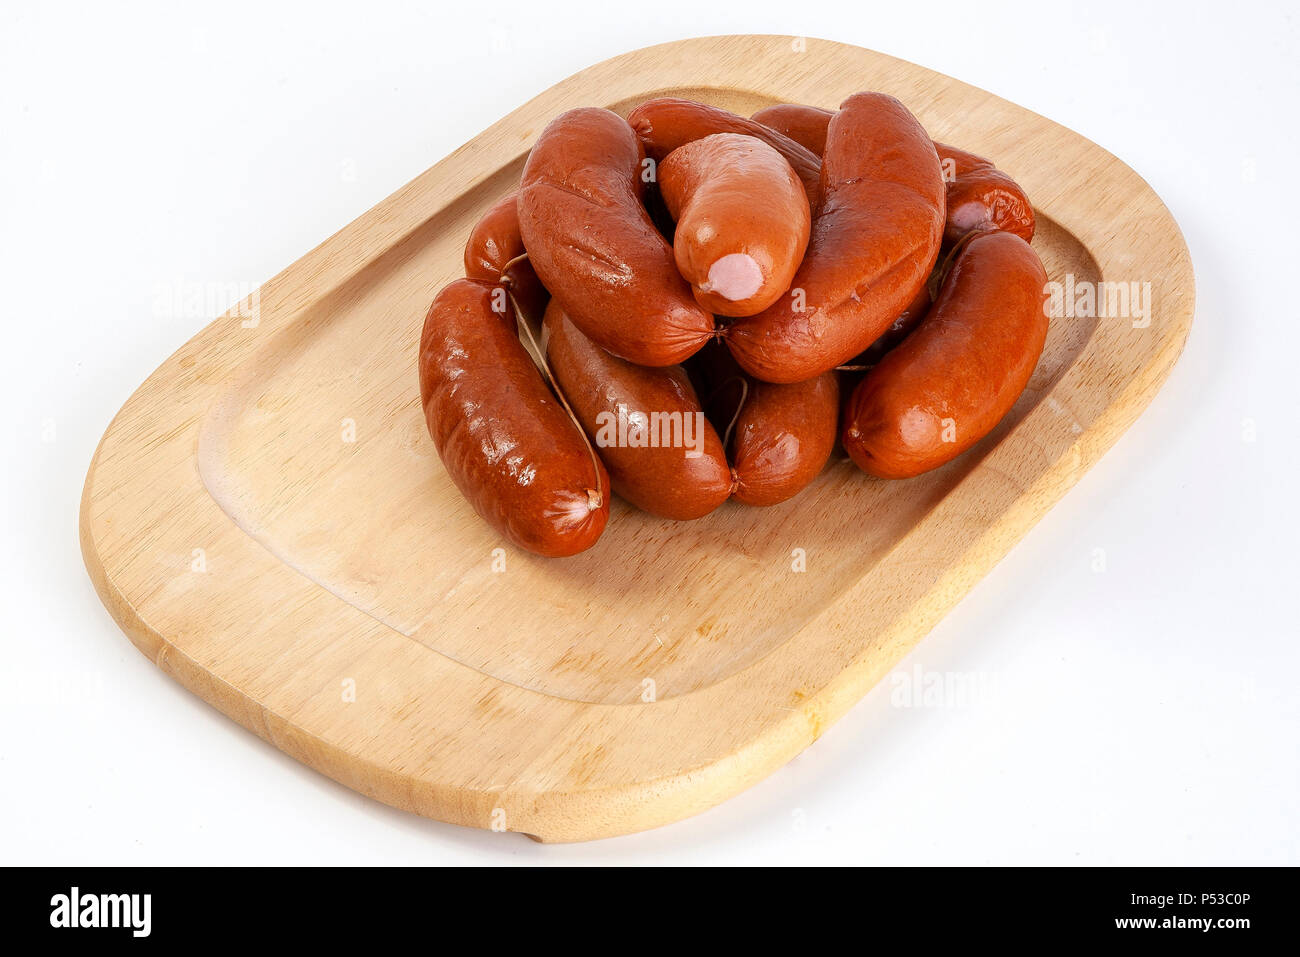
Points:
(340, 599)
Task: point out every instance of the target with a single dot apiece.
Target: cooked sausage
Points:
(594, 247)
(506, 442)
(495, 253)
(667, 123)
(495, 240)
(874, 240)
(780, 435)
(742, 221)
(662, 454)
(783, 437)
(806, 125)
(979, 194)
(951, 381)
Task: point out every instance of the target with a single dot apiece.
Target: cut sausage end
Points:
(735, 276)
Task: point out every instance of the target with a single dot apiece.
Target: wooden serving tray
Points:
(340, 599)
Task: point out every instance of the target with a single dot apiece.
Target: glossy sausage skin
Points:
(495, 240)
(493, 253)
(953, 379)
(783, 434)
(506, 442)
(874, 240)
(662, 454)
(742, 221)
(806, 125)
(668, 123)
(983, 196)
(979, 194)
(594, 247)
(783, 438)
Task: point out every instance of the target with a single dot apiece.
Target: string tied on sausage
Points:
(744, 397)
(524, 322)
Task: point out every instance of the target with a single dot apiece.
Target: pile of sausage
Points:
(688, 265)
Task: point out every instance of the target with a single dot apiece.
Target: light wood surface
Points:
(341, 600)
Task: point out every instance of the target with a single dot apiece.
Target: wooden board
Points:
(268, 521)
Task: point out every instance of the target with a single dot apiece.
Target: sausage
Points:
(780, 435)
(495, 253)
(495, 240)
(742, 221)
(783, 437)
(662, 454)
(874, 241)
(668, 123)
(982, 195)
(806, 125)
(505, 440)
(951, 381)
(594, 247)
(979, 194)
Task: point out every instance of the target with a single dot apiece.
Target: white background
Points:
(1146, 713)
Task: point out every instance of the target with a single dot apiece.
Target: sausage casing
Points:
(495, 253)
(668, 123)
(950, 382)
(662, 454)
(806, 125)
(495, 240)
(742, 221)
(505, 440)
(979, 194)
(874, 240)
(780, 436)
(594, 246)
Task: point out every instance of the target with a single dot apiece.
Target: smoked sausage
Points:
(505, 440)
(780, 435)
(979, 193)
(667, 123)
(594, 246)
(495, 253)
(495, 240)
(806, 125)
(783, 437)
(950, 382)
(874, 240)
(742, 221)
(662, 454)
